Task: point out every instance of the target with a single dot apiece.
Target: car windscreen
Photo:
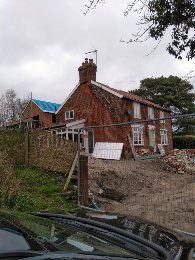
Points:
(101, 240)
(72, 237)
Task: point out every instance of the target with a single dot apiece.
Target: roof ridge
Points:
(46, 106)
(45, 101)
(121, 90)
(133, 96)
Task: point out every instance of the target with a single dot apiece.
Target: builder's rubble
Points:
(143, 152)
(180, 161)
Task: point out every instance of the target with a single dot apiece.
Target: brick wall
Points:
(44, 117)
(82, 102)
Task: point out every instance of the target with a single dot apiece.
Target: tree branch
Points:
(92, 5)
(154, 48)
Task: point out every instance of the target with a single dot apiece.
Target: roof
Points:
(116, 92)
(137, 98)
(46, 106)
(130, 95)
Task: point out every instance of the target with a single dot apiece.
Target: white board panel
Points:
(111, 151)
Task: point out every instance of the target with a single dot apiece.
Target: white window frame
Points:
(137, 110)
(67, 115)
(150, 112)
(162, 115)
(164, 136)
(65, 132)
(138, 135)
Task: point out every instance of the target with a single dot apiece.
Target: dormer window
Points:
(150, 112)
(162, 115)
(69, 115)
(137, 112)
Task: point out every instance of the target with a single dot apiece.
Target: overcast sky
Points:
(43, 42)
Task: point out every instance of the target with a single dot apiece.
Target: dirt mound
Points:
(112, 180)
(110, 183)
(145, 189)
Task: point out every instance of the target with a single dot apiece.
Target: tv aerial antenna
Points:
(94, 51)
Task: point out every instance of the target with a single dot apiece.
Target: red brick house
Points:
(92, 103)
(40, 113)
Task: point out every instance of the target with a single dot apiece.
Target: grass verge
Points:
(42, 191)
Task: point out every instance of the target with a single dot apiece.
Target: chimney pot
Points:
(90, 60)
(86, 60)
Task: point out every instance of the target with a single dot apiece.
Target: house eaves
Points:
(106, 88)
(129, 96)
(26, 107)
(72, 92)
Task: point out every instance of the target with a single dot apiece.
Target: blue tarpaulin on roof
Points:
(46, 106)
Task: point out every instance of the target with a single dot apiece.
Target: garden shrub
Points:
(184, 142)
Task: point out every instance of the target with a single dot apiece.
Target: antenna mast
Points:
(94, 51)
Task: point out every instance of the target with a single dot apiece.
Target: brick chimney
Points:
(87, 71)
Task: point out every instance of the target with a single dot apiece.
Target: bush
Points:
(184, 142)
(9, 184)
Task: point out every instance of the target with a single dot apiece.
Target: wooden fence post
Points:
(26, 149)
(83, 185)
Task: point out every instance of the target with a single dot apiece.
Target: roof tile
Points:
(132, 96)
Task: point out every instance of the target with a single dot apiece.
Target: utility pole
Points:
(31, 110)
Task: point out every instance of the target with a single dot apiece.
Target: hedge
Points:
(12, 143)
(184, 142)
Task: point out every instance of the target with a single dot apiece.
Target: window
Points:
(69, 134)
(137, 113)
(69, 114)
(150, 112)
(162, 115)
(36, 118)
(163, 136)
(138, 135)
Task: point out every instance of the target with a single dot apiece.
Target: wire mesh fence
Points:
(133, 169)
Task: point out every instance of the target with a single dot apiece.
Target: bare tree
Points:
(11, 107)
